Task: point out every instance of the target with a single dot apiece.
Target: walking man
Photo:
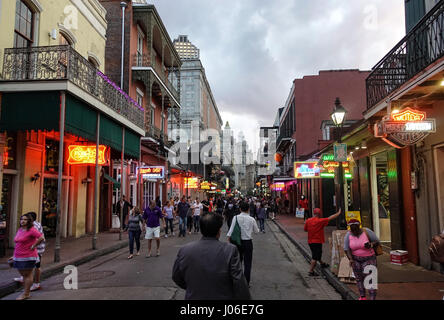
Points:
(126, 208)
(210, 269)
(182, 209)
(247, 225)
(315, 228)
(152, 216)
(197, 209)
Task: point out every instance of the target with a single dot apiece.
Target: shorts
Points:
(37, 265)
(24, 265)
(316, 251)
(152, 233)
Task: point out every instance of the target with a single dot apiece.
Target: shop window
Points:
(49, 207)
(52, 156)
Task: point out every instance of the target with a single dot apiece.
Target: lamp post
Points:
(338, 117)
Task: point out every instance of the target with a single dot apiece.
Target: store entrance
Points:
(49, 207)
(381, 196)
(439, 174)
(5, 212)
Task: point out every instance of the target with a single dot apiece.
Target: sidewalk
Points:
(394, 282)
(72, 252)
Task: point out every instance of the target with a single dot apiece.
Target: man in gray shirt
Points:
(209, 269)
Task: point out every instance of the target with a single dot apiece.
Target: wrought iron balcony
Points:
(64, 63)
(283, 140)
(145, 60)
(157, 134)
(421, 47)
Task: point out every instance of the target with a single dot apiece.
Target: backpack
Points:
(436, 248)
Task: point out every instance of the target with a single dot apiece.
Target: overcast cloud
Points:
(252, 50)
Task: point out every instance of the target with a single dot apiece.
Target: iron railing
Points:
(145, 60)
(157, 134)
(422, 46)
(64, 63)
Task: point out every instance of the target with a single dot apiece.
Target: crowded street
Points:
(222, 151)
(278, 273)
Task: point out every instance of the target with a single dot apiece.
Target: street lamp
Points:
(338, 117)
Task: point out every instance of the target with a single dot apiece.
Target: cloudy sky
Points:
(252, 50)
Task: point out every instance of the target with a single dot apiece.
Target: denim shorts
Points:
(24, 265)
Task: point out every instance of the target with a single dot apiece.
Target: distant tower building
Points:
(185, 48)
(199, 110)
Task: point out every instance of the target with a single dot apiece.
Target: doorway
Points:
(439, 174)
(381, 196)
(5, 213)
(49, 206)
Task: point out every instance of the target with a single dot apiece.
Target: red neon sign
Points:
(86, 155)
(409, 115)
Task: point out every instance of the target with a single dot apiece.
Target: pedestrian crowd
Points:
(209, 268)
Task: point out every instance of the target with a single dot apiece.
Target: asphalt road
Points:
(279, 273)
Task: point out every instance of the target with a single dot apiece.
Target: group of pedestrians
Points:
(211, 269)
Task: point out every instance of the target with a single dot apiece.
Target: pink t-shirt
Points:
(24, 239)
(357, 246)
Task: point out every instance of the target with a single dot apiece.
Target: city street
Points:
(279, 273)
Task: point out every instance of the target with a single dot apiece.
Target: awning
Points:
(41, 111)
(116, 184)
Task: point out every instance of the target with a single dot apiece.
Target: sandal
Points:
(23, 297)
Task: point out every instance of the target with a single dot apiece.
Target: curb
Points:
(58, 268)
(345, 292)
(13, 286)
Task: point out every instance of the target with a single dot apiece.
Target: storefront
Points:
(31, 122)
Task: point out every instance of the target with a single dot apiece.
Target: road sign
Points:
(340, 151)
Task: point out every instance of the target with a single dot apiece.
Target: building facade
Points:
(150, 75)
(57, 106)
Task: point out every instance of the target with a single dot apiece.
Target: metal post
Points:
(123, 5)
(341, 223)
(121, 184)
(96, 184)
(60, 176)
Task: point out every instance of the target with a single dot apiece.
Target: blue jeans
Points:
(196, 223)
(134, 235)
(262, 224)
(182, 226)
(170, 223)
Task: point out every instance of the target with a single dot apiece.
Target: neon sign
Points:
(409, 115)
(152, 172)
(404, 128)
(86, 155)
(278, 186)
(191, 183)
(205, 185)
(306, 170)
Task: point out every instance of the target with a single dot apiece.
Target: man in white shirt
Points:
(247, 225)
(197, 210)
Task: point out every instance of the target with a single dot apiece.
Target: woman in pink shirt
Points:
(25, 254)
(358, 246)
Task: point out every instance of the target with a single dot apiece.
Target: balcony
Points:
(421, 47)
(146, 61)
(284, 140)
(58, 63)
(156, 133)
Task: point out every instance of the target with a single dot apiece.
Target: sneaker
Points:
(20, 279)
(166, 236)
(138, 253)
(158, 253)
(35, 287)
(148, 255)
(173, 234)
